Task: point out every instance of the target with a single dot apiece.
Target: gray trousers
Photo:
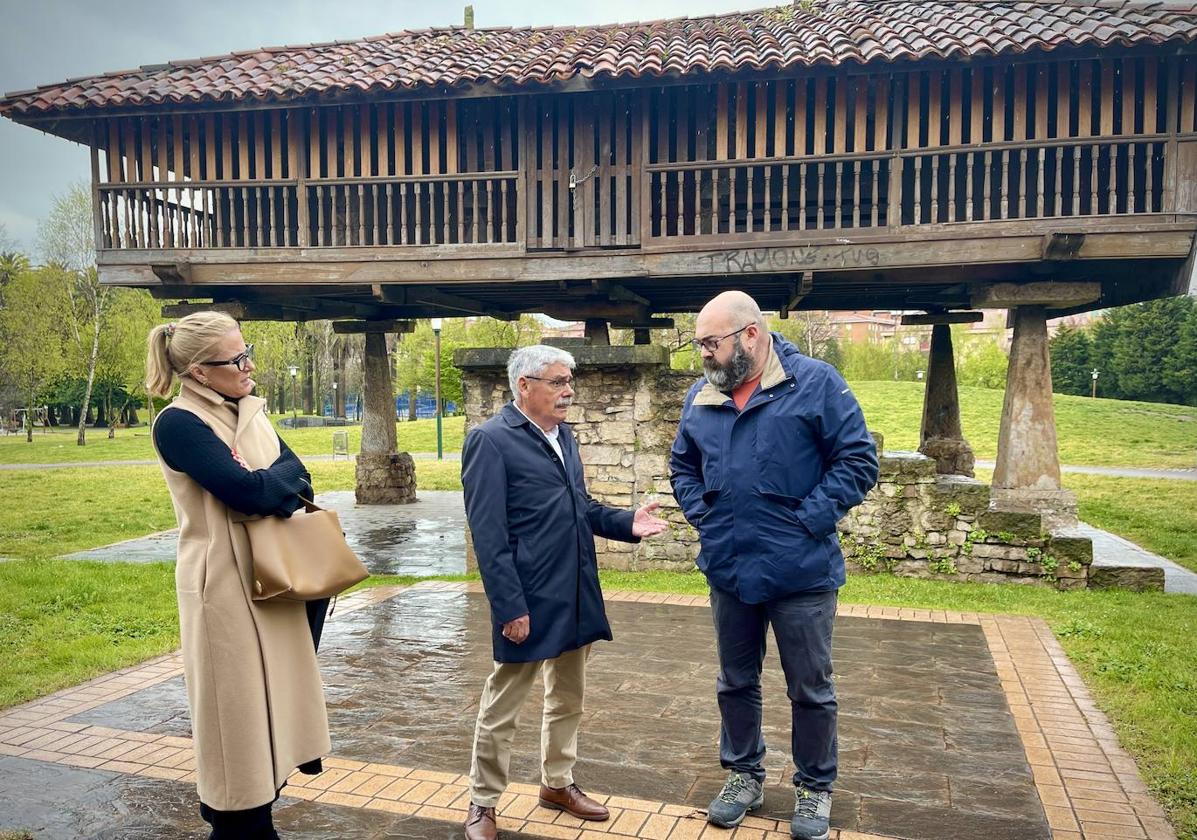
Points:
(802, 625)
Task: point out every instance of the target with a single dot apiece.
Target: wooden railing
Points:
(478, 208)
(1026, 180)
(686, 201)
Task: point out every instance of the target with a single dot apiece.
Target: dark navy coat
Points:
(766, 486)
(533, 527)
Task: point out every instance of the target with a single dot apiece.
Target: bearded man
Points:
(771, 451)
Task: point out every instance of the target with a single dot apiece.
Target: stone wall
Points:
(914, 523)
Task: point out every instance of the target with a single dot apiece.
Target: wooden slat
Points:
(955, 107)
(506, 164)
(147, 174)
(1151, 122)
(840, 112)
(881, 114)
(1107, 98)
(741, 149)
(997, 129)
(935, 110)
(564, 199)
(602, 176)
(976, 129)
(1084, 93)
(1064, 93)
(451, 165)
(914, 113)
(860, 119)
(621, 114)
(640, 197)
(113, 153)
(799, 129)
(1128, 79)
(781, 121)
(98, 199)
(761, 133)
(193, 136)
(820, 123)
(1188, 93)
(721, 123)
(1018, 97)
(1041, 102)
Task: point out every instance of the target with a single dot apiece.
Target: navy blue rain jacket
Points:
(766, 486)
(533, 527)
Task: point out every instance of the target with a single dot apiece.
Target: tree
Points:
(1072, 367)
(120, 366)
(67, 240)
(30, 325)
(1180, 368)
(1146, 338)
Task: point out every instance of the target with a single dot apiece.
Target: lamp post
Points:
(294, 371)
(436, 350)
(1093, 390)
(335, 415)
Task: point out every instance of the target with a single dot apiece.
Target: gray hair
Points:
(531, 361)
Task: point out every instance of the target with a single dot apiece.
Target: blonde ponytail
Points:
(174, 348)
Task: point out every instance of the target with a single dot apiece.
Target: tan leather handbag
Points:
(302, 558)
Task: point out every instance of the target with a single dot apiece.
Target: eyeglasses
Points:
(241, 360)
(558, 384)
(712, 344)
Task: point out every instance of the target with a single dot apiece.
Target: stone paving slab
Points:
(421, 539)
(1007, 701)
(1113, 550)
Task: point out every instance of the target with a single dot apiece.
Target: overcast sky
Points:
(52, 40)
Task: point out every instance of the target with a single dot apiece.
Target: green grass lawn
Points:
(1096, 432)
(62, 622)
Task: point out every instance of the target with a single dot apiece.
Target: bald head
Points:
(729, 311)
(734, 339)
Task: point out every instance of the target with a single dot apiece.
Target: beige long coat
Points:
(257, 703)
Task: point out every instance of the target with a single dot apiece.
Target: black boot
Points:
(250, 824)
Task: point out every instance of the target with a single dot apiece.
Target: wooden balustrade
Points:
(475, 209)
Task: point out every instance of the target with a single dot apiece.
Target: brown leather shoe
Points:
(571, 800)
(480, 823)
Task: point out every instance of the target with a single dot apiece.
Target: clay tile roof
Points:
(828, 32)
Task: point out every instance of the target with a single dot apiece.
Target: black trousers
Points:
(802, 625)
(251, 824)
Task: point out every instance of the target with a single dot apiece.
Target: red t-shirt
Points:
(743, 391)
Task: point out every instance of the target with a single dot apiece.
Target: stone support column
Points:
(1027, 475)
(384, 476)
(940, 435)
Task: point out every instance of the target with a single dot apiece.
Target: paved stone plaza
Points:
(951, 726)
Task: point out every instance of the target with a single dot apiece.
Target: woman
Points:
(253, 688)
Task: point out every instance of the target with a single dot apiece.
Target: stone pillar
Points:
(597, 332)
(384, 476)
(940, 436)
(1027, 475)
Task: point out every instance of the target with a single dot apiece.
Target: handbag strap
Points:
(309, 505)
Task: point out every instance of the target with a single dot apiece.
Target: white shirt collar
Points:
(551, 435)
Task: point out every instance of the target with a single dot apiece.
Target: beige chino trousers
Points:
(503, 697)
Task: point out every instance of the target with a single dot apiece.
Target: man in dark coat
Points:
(770, 453)
(533, 527)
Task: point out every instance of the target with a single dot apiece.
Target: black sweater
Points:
(188, 446)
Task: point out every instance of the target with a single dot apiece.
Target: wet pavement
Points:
(424, 538)
(928, 746)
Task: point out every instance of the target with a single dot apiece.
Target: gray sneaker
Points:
(812, 814)
(741, 793)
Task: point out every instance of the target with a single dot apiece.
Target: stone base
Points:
(1057, 507)
(952, 456)
(1135, 578)
(388, 479)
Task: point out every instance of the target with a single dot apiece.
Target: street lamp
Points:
(1093, 391)
(294, 371)
(919, 374)
(436, 350)
(335, 414)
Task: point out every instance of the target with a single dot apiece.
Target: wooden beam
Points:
(435, 298)
(1012, 295)
(1062, 246)
(172, 272)
(650, 324)
(801, 290)
(358, 327)
(933, 318)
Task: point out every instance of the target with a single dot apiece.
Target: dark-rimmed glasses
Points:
(241, 360)
(558, 384)
(712, 344)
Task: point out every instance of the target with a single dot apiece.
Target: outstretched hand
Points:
(644, 524)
